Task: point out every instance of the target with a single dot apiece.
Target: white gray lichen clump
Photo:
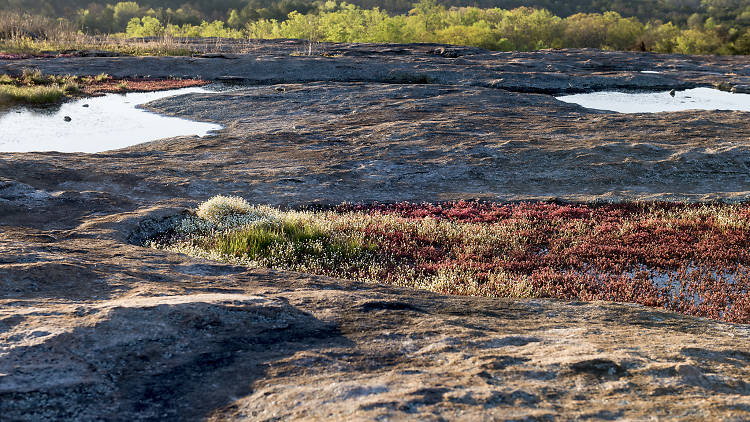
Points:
(227, 212)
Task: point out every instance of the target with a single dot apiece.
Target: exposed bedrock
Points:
(548, 71)
(95, 327)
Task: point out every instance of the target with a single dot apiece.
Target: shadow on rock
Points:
(155, 358)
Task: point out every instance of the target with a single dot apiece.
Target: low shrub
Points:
(220, 207)
(689, 258)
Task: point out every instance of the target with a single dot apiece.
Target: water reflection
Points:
(95, 124)
(656, 102)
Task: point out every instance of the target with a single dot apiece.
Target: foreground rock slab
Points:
(93, 326)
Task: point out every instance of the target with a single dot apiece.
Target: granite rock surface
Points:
(94, 326)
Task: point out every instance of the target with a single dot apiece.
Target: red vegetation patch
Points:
(14, 56)
(109, 84)
(22, 56)
(690, 258)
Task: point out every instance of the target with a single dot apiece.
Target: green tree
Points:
(661, 38)
(182, 16)
(428, 15)
(394, 29)
(147, 26)
(695, 21)
(585, 30)
(742, 44)
(301, 26)
(96, 19)
(123, 12)
(263, 28)
(624, 34)
(528, 29)
(694, 41)
(350, 24)
(234, 20)
(479, 34)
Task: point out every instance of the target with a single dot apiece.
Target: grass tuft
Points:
(33, 87)
(44, 94)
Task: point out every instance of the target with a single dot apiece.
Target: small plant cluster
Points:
(34, 87)
(690, 258)
(100, 84)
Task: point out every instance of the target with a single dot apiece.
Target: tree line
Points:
(681, 26)
(679, 12)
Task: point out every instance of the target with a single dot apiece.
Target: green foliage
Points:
(694, 41)
(257, 241)
(662, 38)
(529, 29)
(146, 26)
(349, 24)
(204, 30)
(301, 26)
(687, 26)
(294, 241)
(624, 34)
(732, 12)
(112, 18)
(44, 94)
(33, 87)
(496, 29)
(263, 28)
(234, 20)
(123, 12)
(742, 44)
(273, 9)
(479, 34)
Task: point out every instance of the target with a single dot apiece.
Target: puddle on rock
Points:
(657, 102)
(95, 124)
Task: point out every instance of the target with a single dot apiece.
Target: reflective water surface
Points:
(95, 124)
(656, 102)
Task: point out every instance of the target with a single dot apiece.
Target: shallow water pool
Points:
(95, 124)
(657, 102)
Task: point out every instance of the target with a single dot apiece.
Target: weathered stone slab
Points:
(94, 326)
